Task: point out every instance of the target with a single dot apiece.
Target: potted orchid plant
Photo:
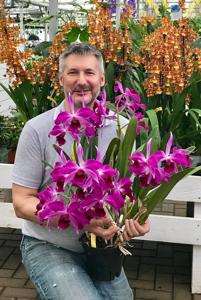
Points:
(126, 183)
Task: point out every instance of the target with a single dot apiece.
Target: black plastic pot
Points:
(104, 264)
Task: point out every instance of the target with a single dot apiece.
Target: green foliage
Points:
(174, 115)
(137, 34)
(78, 33)
(42, 49)
(31, 100)
(120, 149)
(10, 129)
(111, 75)
(155, 196)
(164, 11)
(126, 147)
(196, 23)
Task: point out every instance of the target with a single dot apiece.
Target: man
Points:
(53, 258)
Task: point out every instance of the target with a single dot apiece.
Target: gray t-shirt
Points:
(34, 147)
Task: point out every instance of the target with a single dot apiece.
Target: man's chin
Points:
(81, 102)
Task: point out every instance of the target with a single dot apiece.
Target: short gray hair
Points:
(80, 49)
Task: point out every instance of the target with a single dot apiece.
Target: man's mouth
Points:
(82, 93)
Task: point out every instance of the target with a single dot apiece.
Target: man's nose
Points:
(82, 79)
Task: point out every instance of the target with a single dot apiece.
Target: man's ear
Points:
(61, 80)
(102, 83)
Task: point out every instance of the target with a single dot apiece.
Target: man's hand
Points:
(102, 227)
(133, 229)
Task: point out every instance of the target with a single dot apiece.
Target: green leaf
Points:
(160, 193)
(92, 148)
(112, 151)
(60, 151)
(198, 111)
(41, 94)
(110, 74)
(84, 35)
(42, 48)
(126, 148)
(136, 186)
(156, 138)
(178, 102)
(22, 97)
(196, 97)
(47, 164)
(192, 113)
(26, 89)
(73, 35)
(85, 147)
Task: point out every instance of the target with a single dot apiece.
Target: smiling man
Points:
(81, 75)
(53, 258)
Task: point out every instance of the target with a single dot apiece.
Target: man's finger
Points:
(108, 233)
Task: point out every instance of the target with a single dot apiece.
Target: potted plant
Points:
(10, 129)
(85, 187)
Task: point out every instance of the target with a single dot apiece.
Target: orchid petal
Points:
(169, 144)
(71, 104)
(80, 155)
(148, 148)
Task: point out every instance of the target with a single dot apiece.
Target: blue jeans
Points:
(59, 274)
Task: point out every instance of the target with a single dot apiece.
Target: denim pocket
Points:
(22, 243)
(28, 243)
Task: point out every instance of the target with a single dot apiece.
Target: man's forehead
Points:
(75, 61)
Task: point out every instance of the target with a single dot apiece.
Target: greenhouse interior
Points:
(146, 171)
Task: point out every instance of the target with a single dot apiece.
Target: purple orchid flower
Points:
(76, 216)
(129, 101)
(146, 168)
(125, 187)
(117, 196)
(52, 211)
(80, 175)
(106, 176)
(115, 200)
(93, 198)
(140, 125)
(82, 121)
(123, 99)
(65, 215)
(171, 161)
(46, 196)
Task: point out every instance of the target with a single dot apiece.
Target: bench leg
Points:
(196, 259)
(196, 270)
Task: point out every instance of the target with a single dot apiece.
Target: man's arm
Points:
(25, 201)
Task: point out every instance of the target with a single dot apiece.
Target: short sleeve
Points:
(28, 166)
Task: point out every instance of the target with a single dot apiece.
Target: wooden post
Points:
(118, 13)
(21, 20)
(53, 26)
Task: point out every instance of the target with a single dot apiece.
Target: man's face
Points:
(82, 78)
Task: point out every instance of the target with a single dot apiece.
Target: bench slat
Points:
(173, 229)
(187, 190)
(5, 176)
(8, 218)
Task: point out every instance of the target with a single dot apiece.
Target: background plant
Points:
(156, 56)
(169, 66)
(10, 129)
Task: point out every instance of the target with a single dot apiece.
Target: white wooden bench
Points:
(173, 229)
